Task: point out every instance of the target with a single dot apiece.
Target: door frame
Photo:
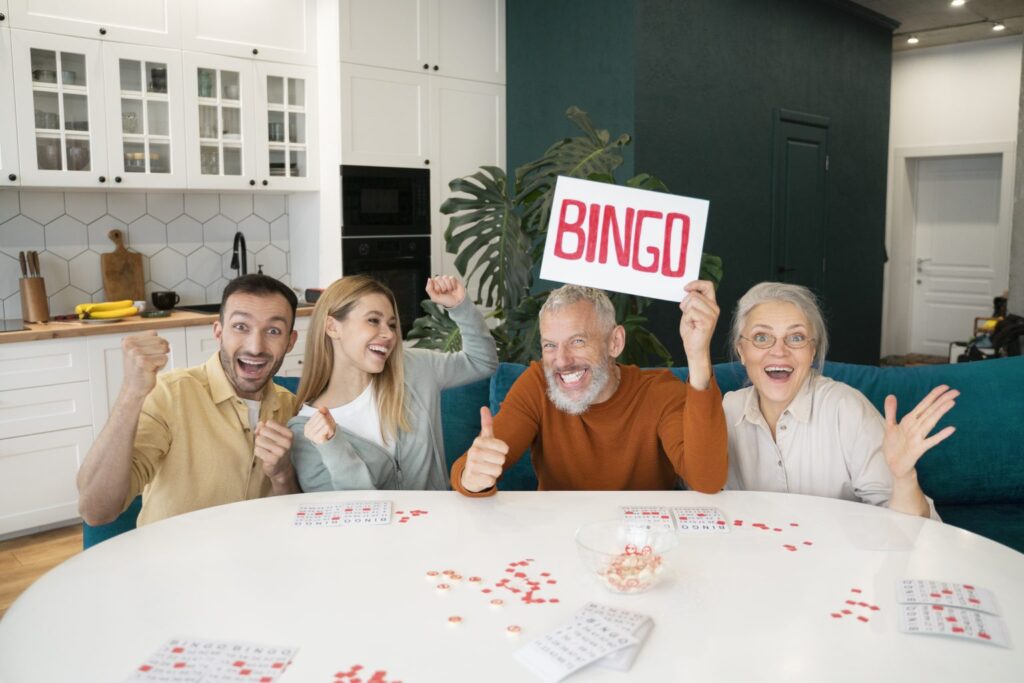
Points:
(898, 286)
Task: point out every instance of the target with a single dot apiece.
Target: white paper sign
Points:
(624, 240)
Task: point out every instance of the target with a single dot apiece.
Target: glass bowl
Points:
(624, 558)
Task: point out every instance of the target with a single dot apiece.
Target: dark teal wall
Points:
(562, 53)
(709, 75)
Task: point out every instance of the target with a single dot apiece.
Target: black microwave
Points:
(377, 201)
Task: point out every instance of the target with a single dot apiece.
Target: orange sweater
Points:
(633, 441)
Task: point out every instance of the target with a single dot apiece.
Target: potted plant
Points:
(498, 229)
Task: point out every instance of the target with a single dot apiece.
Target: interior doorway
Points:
(949, 244)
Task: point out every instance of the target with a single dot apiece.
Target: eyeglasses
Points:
(766, 340)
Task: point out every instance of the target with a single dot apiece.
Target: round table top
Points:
(739, 606)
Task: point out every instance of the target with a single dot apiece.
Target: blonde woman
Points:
(371, 410)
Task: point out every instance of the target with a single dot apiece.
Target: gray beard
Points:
(599, 377)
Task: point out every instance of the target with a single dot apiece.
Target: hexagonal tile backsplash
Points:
(184, 239)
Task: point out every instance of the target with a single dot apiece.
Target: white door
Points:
(286, 129)
(144, 22)
(145, 127)
(385, 119)
(470, 39)
(393, 34)
(275, 30)
(58, 83)
(9, 174)
(469, 132)
(961, 247)
(220, 99)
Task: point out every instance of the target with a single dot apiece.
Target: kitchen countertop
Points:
(59, 330)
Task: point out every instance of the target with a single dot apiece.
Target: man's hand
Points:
(908, 440)
(696, 325)
(446, 290)
(321, 427)
(273, 442)
(484, 458)
(145, 355)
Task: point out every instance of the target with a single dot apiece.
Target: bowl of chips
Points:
(625, 558)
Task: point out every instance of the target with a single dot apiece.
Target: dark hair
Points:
(259, 284)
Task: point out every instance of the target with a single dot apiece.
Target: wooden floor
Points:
(25, 559)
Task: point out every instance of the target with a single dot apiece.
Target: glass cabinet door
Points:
(147, 133)
(58, 86)
(220, 98)
(286, 148)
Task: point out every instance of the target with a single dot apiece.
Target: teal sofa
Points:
(976, 477)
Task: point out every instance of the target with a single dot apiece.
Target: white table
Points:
(739, 608)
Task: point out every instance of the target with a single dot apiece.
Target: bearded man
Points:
(595, 424)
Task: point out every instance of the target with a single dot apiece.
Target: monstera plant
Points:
(497, 231)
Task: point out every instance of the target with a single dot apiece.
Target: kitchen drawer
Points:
(37, 410)
(37, 478)
(42, 362)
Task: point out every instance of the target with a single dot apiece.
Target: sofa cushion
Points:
(1001, 522)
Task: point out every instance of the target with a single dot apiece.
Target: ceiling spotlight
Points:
(912, 40)
(958, 3)
(999, 26)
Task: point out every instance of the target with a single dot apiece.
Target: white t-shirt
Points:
(360, 417)
(254, 412)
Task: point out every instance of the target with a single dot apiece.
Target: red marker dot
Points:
(837, 615)
(862, 618)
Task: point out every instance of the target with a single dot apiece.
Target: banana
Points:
(108, 314)
(105, 306)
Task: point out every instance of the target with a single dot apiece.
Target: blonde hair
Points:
(337, 302)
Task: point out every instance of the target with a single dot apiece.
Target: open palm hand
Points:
(906, 441)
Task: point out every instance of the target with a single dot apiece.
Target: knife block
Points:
(34, 306)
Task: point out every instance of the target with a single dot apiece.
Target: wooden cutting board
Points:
(122, 271)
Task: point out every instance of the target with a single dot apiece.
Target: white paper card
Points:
(923, 592)
(647, 516)
(939, 620)
(633, 623)
(198, 660)
(700, 519)
(340, 514)
(571, 647)
(623, 239)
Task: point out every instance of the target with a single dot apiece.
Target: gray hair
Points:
(799, 296)
(567, 295)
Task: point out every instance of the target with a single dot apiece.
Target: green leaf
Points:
(435, 330)
(711, 268)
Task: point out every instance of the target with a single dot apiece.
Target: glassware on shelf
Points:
(48, 154)
(209, 161)
(207, 122)
(157, 82)
(207, 82)
(78, 154)
(159, 158)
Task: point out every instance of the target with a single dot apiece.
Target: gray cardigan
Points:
(350, 462)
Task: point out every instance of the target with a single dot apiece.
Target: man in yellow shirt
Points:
(200, 436)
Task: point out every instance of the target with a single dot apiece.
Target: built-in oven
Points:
(377, 201)
(401, 263)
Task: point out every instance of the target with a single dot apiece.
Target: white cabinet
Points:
(385, 117)
(106, 369)
(9, 165)
(453, 38)
(200, 345)
(58, 87)
(145, 22)
(45, 431)
(249, 125)
(469, 132)
(274, 30)
(145, 125)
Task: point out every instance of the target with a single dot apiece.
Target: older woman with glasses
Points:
(795, 431)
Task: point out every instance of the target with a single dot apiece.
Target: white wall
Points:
(945, 100)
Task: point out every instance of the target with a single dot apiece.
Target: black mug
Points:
(165, 300)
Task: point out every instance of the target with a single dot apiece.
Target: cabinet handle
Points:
(252, 182)
(117, 179)
(436, 67)
(103, 178)
(103, 31)
(264, 183)
(426, 162)
(2, 16)
(255, 51)
(426, 66)
(11, 177)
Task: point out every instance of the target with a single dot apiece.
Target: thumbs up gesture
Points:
(485, 457)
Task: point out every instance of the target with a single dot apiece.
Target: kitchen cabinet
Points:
(200, 345)
(385, 117)
(9, 167)
(58, 86)
(452, 38)
(273, 30)
(145, 127)
(144, 22)
(45, 430)
(106, 369)
(249, 125)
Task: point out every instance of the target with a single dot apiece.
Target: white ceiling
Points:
(936, 22)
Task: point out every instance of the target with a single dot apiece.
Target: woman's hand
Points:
(446, 290)
(321, 427)
(905, 442)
